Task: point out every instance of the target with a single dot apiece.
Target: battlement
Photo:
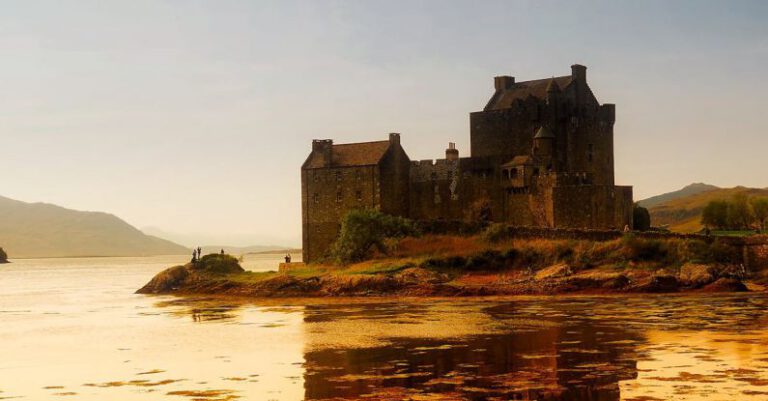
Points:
(434, 170)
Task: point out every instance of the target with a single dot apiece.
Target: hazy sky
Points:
(195, 116)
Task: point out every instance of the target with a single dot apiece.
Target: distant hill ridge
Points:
(688, 190)
(681, 210)
(29, 230)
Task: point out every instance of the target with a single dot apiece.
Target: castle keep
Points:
(541, 155)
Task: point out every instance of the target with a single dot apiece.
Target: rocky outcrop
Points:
(3, 256)
(195, 276)
(417, 281)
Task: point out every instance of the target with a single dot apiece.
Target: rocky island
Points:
(3, 256)
(497, 261)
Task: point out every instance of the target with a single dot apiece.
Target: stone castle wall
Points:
(327, 194)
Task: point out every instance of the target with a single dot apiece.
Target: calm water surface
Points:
(73, 329)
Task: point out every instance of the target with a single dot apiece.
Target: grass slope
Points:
(683, 213)
(29, 230)
(689, 190)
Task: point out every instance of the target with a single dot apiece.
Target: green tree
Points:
(740, 212)
(715, 215)
(363, 229)
(641, 218)
(760, 210)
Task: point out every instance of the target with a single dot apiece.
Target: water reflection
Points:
(577, 348)
(554, 362)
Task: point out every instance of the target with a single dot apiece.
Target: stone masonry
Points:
(541, 155)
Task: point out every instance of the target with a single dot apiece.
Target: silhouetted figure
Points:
(194, 255)
(199, 252)
(288, 258)
(222, 251)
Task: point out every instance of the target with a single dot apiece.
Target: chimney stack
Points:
(503, 82)
(451, 154)
(579, 72)
(394, 138)
(324, 147)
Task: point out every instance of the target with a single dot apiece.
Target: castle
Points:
(541, 155)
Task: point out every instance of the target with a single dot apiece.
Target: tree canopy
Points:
(641, 218)
(738, 213)
(364, 229)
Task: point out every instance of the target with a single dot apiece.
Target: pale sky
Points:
(195, 116)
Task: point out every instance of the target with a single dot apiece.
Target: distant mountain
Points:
(191, 240)
(29, 230)
(241, 250)
(681, 212)
(689, 190)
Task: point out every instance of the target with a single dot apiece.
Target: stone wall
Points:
(327, 194)
(756, 253)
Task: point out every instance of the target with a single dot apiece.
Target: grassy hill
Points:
(681, 210)
(689, 190)
(44, 230)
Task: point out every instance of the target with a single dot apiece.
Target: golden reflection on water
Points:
(75, 330)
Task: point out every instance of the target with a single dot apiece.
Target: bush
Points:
(450, 262)
(641, 218)
(218, 263)
(487, 260)
(641, 249)
(495, 233)
(364, 229)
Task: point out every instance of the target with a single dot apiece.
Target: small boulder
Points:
(165, 281)
(726, 285)
(695, 275)
(658, 283)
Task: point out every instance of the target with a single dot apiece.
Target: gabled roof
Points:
(538, 88)
(522, 160)
(351, 154)
(552, 86)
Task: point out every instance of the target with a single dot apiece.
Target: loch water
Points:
(74, 329)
